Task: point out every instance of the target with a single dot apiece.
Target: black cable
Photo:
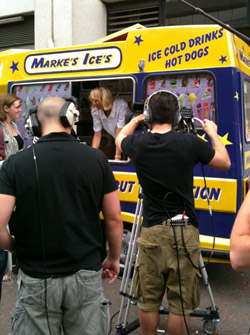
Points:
(182, 235)
(111, 319)
(43, 240)
(209, 209)
(184, 245)
(211, 217)
(213, 227)
(188, 254)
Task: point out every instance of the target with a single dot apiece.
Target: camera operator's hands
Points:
(209, 127)
(140, 117)
(128, 129)
(221, 160)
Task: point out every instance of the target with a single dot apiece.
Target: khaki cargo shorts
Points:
(156, 271)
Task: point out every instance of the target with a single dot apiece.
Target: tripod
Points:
(210, 316)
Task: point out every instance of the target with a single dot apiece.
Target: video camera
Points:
(137, 109)
(186, 121)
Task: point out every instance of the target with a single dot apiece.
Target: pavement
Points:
(230, 291)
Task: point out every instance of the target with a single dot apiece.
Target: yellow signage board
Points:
(218, 191)
(242, 51)
(222, 194)
(128, 186)
(180, 48)
(145, 49)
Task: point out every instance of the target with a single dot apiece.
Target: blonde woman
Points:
(10, 108)
(108, 113)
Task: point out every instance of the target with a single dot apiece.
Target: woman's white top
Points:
(116, 118)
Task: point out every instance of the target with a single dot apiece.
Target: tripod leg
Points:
(206, 283)
(211, 321)
(130, 259)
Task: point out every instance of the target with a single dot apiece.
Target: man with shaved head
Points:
(53, 193)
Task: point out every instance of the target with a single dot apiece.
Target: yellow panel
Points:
(243, 55)
(247, 159)
(220, 243)
(128, 186)
(245, 188)
(218, 194)
(161, 49)
(175, 48)
(218, 190)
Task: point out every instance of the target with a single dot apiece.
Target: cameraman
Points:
(164, 160)
(57, 187)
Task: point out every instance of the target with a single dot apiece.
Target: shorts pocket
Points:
(32, 291)
(89, 286)
(18, 319)
(148, 258)
(145, 244)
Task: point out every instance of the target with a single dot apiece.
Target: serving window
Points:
(33, 93)
(122, 88)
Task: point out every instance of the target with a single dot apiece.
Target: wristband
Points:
(116, 156)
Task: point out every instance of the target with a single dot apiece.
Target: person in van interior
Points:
(108, 113)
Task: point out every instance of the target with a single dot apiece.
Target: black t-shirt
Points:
(59, 210)
(164, 164)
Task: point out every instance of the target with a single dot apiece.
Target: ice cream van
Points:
(206, 66)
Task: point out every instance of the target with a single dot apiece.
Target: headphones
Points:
(69, 115)
(148, 116)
